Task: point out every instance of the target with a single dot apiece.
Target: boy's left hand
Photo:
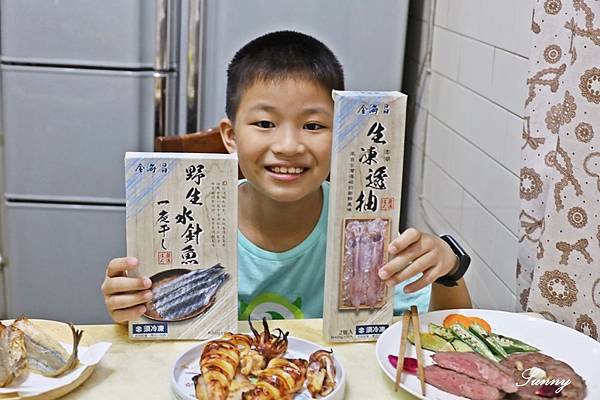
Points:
(414, 251)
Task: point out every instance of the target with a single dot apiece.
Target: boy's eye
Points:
(313, 126)
(265, 124)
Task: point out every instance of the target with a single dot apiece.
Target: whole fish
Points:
(44, 353)
(13, 356)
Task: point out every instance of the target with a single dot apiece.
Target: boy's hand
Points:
(125, 296)
(413, 252)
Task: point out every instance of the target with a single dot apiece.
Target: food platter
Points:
(581, 352)
(188, 365)
(22, 389)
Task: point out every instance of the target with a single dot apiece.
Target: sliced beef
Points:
(460, 384)
(478, 367)
(555, 369)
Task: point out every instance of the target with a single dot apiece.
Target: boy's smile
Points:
(282, 134)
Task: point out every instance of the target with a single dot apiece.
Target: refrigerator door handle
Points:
(195, 59)
(164, 104)
(164, 34)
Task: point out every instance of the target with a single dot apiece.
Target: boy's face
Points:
(282, 135)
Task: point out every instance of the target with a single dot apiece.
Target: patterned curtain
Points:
(558, 269)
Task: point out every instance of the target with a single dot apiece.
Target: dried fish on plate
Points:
(44, 353)
(188, 295)
(13, 356)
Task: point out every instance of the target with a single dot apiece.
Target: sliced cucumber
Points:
(431, 342)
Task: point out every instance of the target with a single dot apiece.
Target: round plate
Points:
(61, 332)
(581, 352)
(188, 365)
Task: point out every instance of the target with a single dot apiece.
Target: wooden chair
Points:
(208, 141)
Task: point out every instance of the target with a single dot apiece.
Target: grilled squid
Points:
(218, 364)
(320, 377)
(279, 381)
(267, 344)
(251, 361)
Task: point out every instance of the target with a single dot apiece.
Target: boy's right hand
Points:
(125, 296)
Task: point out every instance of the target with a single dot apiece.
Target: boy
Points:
(279, 122)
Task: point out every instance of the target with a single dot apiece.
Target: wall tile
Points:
(438, 142)
(445, 53)
(450, 103)
(476, 62)
(476, 227)
(444, 194)
(511, 149)
(486, 289)
(509, 81)
(504, 255)
(441, 12)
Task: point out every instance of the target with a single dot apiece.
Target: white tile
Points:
(504, 255)
(461, 165)
(466, 17)
(445, 53)
(509, 87)
(441, 12)
(511, 149)
(476, 227)
(438, 142)
(517, 26)
(449, 102)
(476, 63)
(486, 289)
(443, 193)
(488, 126)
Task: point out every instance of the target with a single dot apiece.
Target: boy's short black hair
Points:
(279, 55)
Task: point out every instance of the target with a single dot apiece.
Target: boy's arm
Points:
(444, 297)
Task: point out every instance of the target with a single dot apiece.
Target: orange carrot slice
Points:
(452, 319)
(484, 324)
(465, 321)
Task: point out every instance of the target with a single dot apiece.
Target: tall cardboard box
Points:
(181, 212)
(364, 212)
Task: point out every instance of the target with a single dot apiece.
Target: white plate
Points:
(188, 365)
(581, 352)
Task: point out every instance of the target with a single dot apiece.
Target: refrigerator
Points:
(83, 81)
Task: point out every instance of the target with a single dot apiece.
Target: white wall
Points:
(464, 133)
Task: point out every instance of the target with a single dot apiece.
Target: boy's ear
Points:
(228, 135)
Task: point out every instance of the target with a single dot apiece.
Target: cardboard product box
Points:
(364, 212)
(181, 212)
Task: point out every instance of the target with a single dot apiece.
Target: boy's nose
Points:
(288, 141)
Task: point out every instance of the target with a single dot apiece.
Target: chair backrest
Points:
(208, 141)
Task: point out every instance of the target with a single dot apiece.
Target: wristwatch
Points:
(463, 262)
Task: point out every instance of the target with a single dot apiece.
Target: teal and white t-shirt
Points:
(289, 284)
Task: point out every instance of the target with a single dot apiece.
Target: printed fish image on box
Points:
(180, 294)
(365, 241)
